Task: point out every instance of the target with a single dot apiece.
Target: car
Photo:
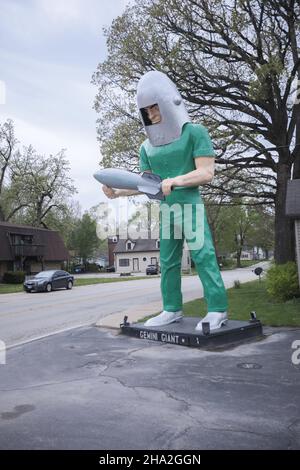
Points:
(49, 280)
(152, 269)
(110, 269)
(79, 269)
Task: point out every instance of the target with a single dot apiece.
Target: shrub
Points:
(14, 277)
(282, 281)
(92, 267)
(237, 284)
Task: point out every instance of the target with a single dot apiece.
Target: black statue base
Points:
(183, 333)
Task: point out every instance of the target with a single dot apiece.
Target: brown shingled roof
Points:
(55, 249)
(140, 245)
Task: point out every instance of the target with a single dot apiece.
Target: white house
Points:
(133, 256)
(254, 253)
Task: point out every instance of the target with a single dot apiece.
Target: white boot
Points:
(215, 320)
(164, 318)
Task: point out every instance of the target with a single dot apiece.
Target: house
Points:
(251, 253)
(30, 249)
(254, 253)
(292, 209)
(135, 255)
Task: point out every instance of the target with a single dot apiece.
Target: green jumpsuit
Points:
(169, 161)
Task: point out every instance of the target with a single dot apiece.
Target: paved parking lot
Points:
(90, 389)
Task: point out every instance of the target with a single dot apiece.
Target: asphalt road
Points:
(88, 389)
(24, 317)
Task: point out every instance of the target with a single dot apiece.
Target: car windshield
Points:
(45, 274)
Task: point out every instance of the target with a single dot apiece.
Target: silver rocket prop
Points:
(147, 183)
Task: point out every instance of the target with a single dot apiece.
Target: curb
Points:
(134, 315)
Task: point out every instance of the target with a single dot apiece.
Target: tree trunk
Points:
(2, 215)
(238, 258)
(284, 226)
(213, 235)
(212, 226)
(38, 221)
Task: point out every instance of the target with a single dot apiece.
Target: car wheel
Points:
(48, 287)
(69, 285)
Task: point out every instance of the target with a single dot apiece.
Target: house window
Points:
(19, 239)
(154, 260)
(144, 259)
(124, 262)
(129, 247)
(157, 243)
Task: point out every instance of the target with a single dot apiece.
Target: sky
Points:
(49, 50)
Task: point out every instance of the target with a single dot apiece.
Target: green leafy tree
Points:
(34, 189)
(236, 64)
(236, 226)
(262, 233)
(45, 181)
(8, 144)
(84, 240)
(64, 221)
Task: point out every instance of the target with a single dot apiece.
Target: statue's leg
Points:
(170, 262)
(208, 270)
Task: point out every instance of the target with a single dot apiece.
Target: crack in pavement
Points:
(59, 382)
(292, 437)
(186, 406)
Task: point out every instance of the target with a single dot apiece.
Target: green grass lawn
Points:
(232, 265)
(104, 280)
(12, 288)
(245, 263)
(253, 296)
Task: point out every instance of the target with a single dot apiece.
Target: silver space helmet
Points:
(156, 88)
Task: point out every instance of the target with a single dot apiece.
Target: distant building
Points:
(135, 255)
(252, 253)
(255, 253)
(30, 249)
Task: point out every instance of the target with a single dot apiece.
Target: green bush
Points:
(237, 284)
(282, 281)
(14, 277)
(92, 268)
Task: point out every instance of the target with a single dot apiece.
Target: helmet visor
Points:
(150, 114)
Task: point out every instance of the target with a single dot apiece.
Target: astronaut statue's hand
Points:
(166, 185)
(109, 192)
